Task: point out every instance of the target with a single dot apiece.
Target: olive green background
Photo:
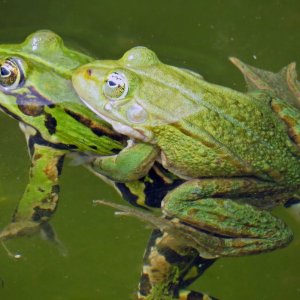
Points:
(105, 251)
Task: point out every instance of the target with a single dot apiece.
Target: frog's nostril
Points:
(89, 72)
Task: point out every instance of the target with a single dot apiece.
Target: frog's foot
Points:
(283, 84)
(20, 228)
(16, 229)
(49, 234)
(28, 228)
(226, 227)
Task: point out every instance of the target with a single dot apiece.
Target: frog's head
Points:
(34, 72)
(136, 93)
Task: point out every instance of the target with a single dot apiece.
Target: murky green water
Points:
(105, 251)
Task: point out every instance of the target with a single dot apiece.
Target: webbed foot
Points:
(16, 229)
(28, 228)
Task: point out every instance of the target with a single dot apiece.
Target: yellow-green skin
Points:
(237, 152)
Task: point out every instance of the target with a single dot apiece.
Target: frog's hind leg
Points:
(169, 268)
(223, 223)
(290, 116)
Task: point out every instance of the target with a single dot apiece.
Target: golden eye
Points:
(116, 86)
(11, 75)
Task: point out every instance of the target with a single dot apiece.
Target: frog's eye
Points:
(11, 74)
(116, 86)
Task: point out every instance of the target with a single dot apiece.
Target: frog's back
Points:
(229, 134)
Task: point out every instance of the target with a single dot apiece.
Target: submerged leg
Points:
(170, 263)
(227, 225)
(40, 198)
(169, 268)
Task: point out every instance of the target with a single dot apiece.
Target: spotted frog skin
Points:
(237, 154)
(36, 90)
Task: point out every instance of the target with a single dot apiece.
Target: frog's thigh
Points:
(41, 195)
(290, 115)
(130, 164)
(241, 228)
(168, 270)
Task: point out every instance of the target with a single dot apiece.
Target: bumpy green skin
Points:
(237, 152)
(56, 123)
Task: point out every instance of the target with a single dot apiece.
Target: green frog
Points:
(237, 153)
(36, 90)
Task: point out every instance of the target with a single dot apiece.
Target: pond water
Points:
(105, 251)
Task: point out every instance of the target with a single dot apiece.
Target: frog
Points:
(36, 90)
(237, 153)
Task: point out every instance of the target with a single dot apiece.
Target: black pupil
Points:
(4, 71)
(111, 83)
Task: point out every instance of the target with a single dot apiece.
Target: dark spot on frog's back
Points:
(89, 72)
(94, 126)
(50, 123)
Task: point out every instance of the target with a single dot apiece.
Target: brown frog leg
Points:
(283, 84)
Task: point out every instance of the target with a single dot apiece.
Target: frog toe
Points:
(20, 228)
(49, 234)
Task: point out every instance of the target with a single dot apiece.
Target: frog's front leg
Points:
(132, 163)
(218, 209)
(41, 195)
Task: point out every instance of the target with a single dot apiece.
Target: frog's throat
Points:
(145, 136)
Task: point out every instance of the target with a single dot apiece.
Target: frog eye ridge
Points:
(116, 86)
(11, 74)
